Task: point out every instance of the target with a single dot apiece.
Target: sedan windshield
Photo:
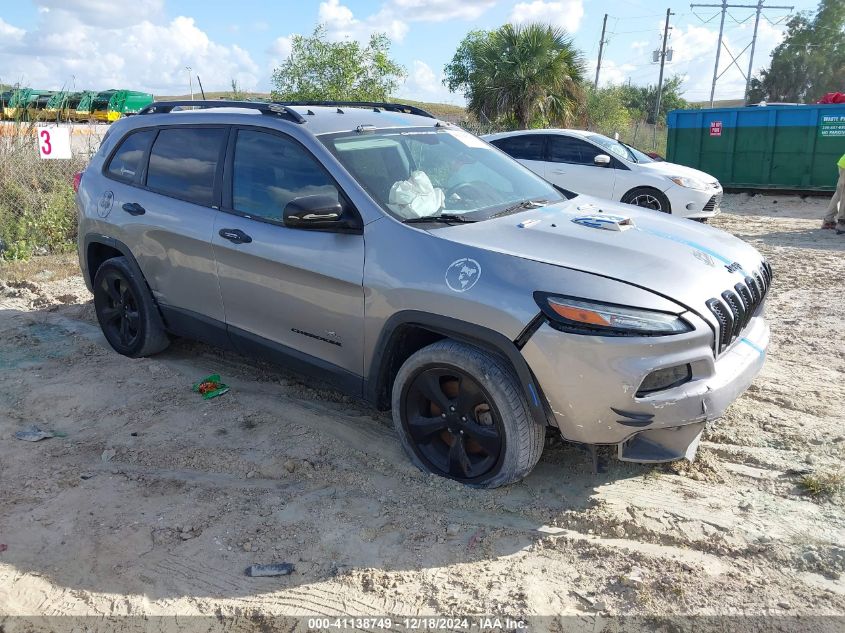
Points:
(445, 173)
(620, 150)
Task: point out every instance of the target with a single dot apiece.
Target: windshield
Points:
(620, 150)
(418, 173)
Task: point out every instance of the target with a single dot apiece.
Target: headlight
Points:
(689, 183)
(606, 319)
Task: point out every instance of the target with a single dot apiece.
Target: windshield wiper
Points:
(446, 218)
(524, 204)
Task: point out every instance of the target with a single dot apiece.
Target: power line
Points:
(724, 6)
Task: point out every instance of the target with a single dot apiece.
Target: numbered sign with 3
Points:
(53, 142)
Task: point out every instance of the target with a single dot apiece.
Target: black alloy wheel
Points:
(118, 310)
(452, 424)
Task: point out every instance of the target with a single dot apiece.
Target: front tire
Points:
(460, 413)
(648, 198)
(126, 311)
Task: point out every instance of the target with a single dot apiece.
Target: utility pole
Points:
(190, 81)
(662, 62)
(751, 54)
(601, 50)
(724, 6)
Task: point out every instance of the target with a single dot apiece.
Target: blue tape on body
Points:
(691, 244)
(753, 346)
(534, 394)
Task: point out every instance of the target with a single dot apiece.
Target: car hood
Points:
(682, 260)
(664, 168)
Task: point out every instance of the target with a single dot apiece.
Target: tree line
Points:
(532, 75)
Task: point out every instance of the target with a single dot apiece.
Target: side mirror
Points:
(320, 213)
(602, 160)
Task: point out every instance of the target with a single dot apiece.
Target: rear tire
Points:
(126, 310)
(648, 198)
(460, 413)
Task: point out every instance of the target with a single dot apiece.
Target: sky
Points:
(146, 44)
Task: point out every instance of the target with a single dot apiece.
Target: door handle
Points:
(558, 171)
(236, 236)
(133, 208)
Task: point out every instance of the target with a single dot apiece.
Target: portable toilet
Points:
(783, 146)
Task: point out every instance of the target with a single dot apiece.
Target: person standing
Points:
(835, 216)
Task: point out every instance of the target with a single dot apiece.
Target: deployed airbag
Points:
(416, 196)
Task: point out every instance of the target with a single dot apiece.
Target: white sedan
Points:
(593, 164)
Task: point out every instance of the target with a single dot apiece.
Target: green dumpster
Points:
(787, 147)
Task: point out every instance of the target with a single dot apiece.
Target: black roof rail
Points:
(265, 107)
(376, 105)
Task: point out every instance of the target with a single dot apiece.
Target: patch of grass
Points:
(37, 209)
(822, 484)
(61, 266)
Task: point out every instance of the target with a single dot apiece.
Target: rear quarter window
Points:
(183, 163)
(126, 163)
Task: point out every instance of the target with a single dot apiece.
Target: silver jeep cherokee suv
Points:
(410, 263)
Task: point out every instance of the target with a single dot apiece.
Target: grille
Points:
(735, 307)
(712, 203)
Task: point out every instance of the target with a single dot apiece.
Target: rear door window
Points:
(126, 163)
(522, 146)
(270, 170)
(183, 163)
(565, 149)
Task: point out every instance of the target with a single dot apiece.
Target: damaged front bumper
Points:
(592, 385)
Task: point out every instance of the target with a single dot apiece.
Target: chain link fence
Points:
(37, 209)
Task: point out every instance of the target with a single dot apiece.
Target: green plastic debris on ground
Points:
(210, 387)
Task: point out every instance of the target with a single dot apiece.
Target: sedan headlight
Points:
(689, 183)
(580, 316)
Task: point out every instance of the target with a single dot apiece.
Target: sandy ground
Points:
(155, 501)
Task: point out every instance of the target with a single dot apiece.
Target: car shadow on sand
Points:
(152, 491)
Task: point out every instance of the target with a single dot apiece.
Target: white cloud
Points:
(105, 13)
(394, 16)
(565, 13)
(424, 84)
(341, 23)
(278, 51)
(10, 32)
(611, 72)
(141, 56)
(441, 10)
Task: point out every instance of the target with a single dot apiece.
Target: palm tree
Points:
(525, 72)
